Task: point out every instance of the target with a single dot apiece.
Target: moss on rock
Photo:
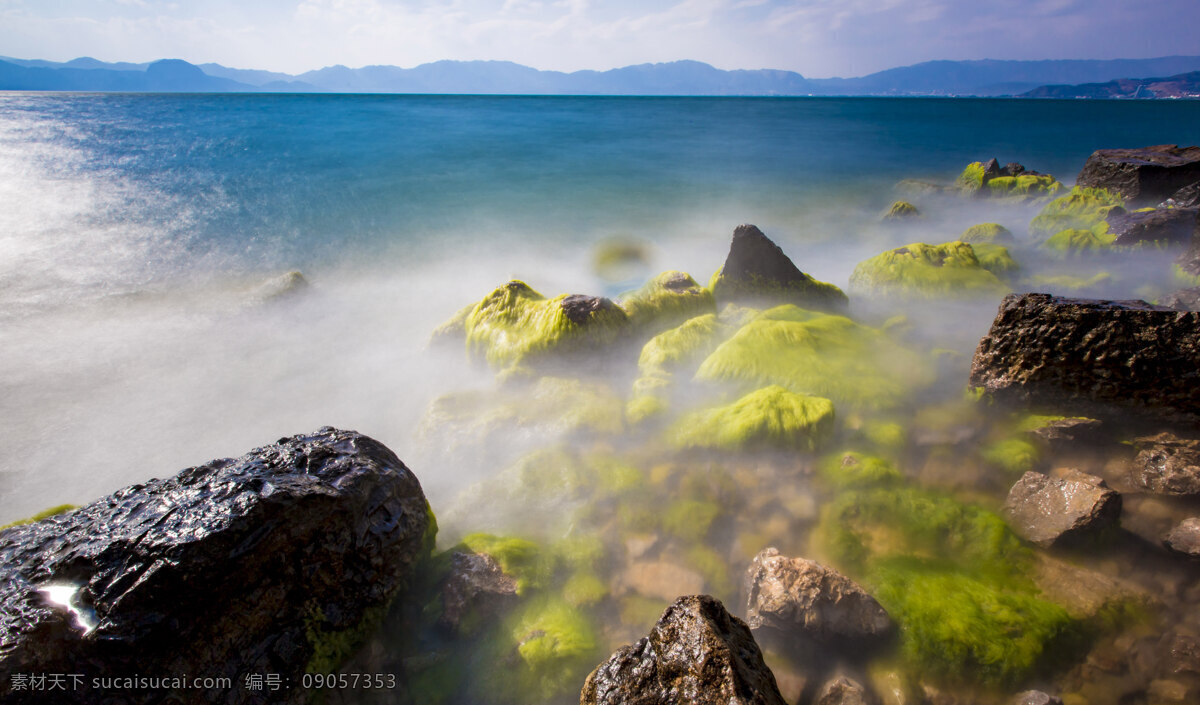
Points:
(1024, 186)
(901, 210)
(987, 232)
(1076, 241)
(666, 301)
(768, 417)
(995, 259)
(922, 270)
(44, 514)
(664, 355)
(1015, 456)
(850, 470)
(1081, 209)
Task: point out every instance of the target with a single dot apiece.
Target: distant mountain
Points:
(933, 78)
(1184, 85)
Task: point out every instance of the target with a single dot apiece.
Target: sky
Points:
(817, 38)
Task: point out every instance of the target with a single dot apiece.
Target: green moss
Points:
(854, 470)
(1024, 186)
(332, 647)
(1184, 278)
(1067, 282)
(971, 178)
(453, 331)
(666, 301)
(900, 210)
(584, 588)
(1076, 241)
(1032, 422)
(771, 416)
(555, 647)
(1015, 456)
(922, 270)
(664, 355)
(44, 514)
(886, 435)
(514, 325)
(822, 355)
(640, 612)
(690, 519)
(713, 568)
(987, 232)
(1081, 209)
(518, 558)
(995, 259)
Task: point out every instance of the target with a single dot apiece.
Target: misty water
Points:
(141, 236)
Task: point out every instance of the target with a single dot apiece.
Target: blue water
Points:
(132, 225)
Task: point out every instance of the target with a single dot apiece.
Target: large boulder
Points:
(758, 271)
(275, 562)
(1145, 175)
(953, 269)
(1050, 511)
(803, 597)
(1167, 464)
(697, 653)
(1088, 355)
(1164, 226)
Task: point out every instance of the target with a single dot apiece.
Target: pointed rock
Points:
(757, 270)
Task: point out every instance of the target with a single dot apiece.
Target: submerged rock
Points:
(1144, 175)
(757, 270)
(1062, 430)
(1165, 226)
(987, 232)
(1055, 511)
(1167, 464)
(284, 286)
(769, 417)
(803, 597)
(901, 210)
(1185, 538)
(269, 563)
(1035, 697)
(844, 691)
(475, 588)
(1090, 355)
(697, 653)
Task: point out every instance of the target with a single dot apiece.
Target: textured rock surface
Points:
(799, 595)
(697, 653)
(756, 269)
(1183, 299)
(844, 691)
(1169, 226)
(1167, 464)
(475, 587)
(1186, 197)
(1087, 355)
(1070, 430)
(1145, 175)
(1185, 538)
(234, 567)
(1052, 511)
(1035, 697)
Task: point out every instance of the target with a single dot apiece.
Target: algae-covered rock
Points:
(1010, 182)
(664, 355)
(768, 417)
(1055, 511)
(987, 232)
(1158, 226)
(666, 301)
(475, 589)
(1076, 241)
(821, 355)
(1015, 456)
(757, 270)
(539, 654)
(1081, 209)
(922, 270)
(697, 653)
(854, 470)
(901, 210)
(995, 259)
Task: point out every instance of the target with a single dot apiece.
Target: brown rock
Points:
(697, 653)
(1050, 511)
(476, 586)
(1145, 175)
(1165, 226)
(1167, 464)
(1185, 538)
(1035, 697)
(844, 691)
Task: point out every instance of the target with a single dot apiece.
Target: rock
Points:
(1052, 511)
(757, 270)
(476, 586)
(987, 232)
(1145, 175)
(1086, 594)
(771, 417)
(1180, 653)
(667, 301)
(1035, 697)
(1012, 181)
(1186, 197)
(275, 562)
(800, 596)
(1185, 538)
(1091, 356)
(1066, 431)
(844, 691)
(697, 653)
(901, 210)
(1166, 226)
(1183, 299)
(1167, 464)
(284, 286)
(922, 270)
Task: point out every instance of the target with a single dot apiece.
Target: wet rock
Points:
(267, 563)
(844, 691)
(1091, 356)
(1165, 226)
(697, 653)
(901, 210)
(1180, 653)
(1066, 431)
(757, 270)
(1185, 538)
(1145, 175)
(476, 587)
(1084, 593)
(1052, 511)
(795, 595)
(1183, 299)
(1186, 197)
(1035, 697)
(1167, 464)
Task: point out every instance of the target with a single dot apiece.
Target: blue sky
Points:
(818, 38)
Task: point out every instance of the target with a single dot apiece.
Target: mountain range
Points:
(933, 78)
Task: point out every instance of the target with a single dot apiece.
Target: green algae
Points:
(1075, 241)
(44, 514)
(1024, 186)
(666, 301)
(333, 647)
(971, 178)
(541, 652)
(987, 232)
(769, 417)
(1081, 209)
(901, 210)
(663, 356)
(852, 470)
(995, 259)
(886, 435)
(690, 519)
(520, 559)
(584, 588)
(921, 270)
(821, 355)
(713, 568)
(1015, 456)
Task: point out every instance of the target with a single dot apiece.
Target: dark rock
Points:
(1186, 197)
(578, 308)
(1167, 464)
(1146, 175)
(1180, 653)
(1189, 260)
(844, 691)
(1183, 299)
(1166, 226)
(991, 169)
(757, 269)
(476, 587)
(1185, 538)
(1056, 511)
(697, 653)
(1070, 430)
(1016, 169)
(1091, 356)
(795, 595)
(1035, 697)
(262, 564)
